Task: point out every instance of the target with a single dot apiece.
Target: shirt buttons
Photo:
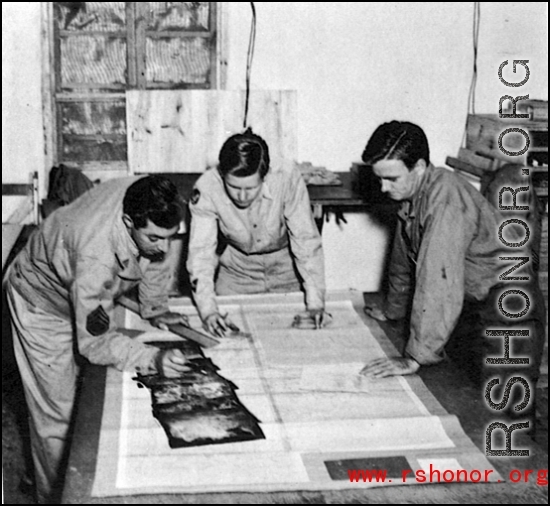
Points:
(255, 225)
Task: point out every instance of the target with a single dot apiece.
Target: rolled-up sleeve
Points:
(305, 240)
(439, 293)
(202, 260)
(98, 338)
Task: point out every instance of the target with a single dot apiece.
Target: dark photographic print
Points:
(199, 407)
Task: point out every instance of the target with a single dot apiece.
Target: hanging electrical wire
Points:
(475, 33)
(473, 83)
(249, 58)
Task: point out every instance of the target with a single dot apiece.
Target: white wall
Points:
(357, 64)
(22, 128)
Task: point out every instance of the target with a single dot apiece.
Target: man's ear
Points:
(420, 166)
(128, 222)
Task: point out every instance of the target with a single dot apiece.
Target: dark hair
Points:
(153, 198)
(397, 140)
(243, 155)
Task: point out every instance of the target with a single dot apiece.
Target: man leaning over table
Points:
(264, 218)
(62, 289)
(445, 268)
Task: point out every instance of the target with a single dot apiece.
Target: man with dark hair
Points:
(62, 289)
(264, 215)
(446, 261)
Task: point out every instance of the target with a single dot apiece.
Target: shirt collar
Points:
(266, 191)
(127, 252)
(409, 208)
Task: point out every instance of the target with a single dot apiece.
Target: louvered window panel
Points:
(102, 49)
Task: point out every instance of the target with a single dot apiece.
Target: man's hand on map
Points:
(217, 324)
(395, 366)
(312, 319)
(171, 363)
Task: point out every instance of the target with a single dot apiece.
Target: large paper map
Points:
(319, 417)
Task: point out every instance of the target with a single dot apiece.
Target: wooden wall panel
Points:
(183, 130)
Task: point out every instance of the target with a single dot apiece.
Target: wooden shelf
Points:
(483, 132)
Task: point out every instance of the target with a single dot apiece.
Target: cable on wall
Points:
(249, 58)
(472, 90)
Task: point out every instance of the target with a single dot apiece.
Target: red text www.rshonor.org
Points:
(446, 476)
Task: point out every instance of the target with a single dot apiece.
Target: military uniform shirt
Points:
(79, 261)
(278, 219)
(446, 245)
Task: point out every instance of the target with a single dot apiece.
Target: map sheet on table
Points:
(320, 418)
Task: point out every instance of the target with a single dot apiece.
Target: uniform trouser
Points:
(471, 346)
(240, 273)
(43, 347)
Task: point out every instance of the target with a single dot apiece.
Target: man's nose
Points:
(242, 195)
(385, 186)
(164, 245)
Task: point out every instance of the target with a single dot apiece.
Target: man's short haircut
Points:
(243, 155)
(397, 140)
(153, 198)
